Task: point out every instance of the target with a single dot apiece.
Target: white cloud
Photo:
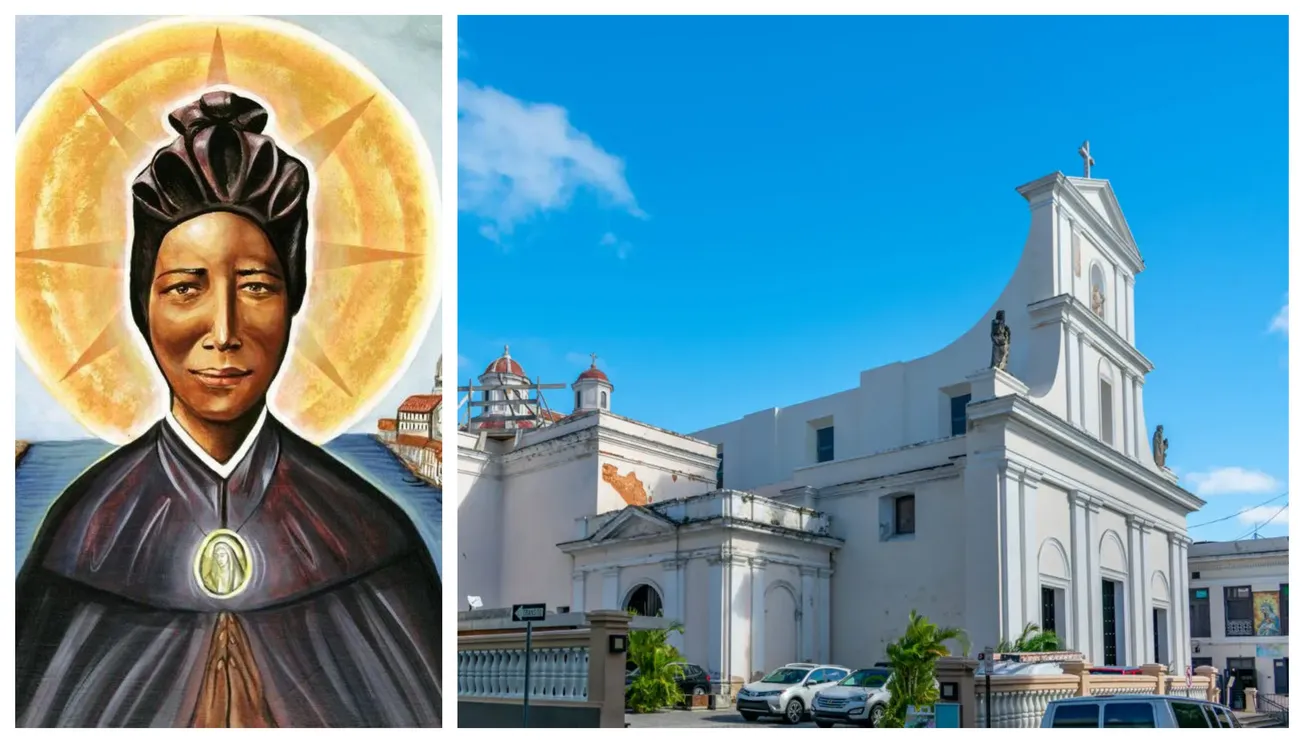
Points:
(1261, 515)
(1281, 321)
(1231, 481)
(621, 247)
(518, 159)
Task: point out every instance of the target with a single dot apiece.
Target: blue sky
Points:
(736, 214)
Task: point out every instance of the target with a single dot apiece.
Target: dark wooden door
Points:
(1108, 619)
(1280, 676)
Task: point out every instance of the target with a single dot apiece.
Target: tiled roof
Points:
(420, 404)
(594, 372)
(387, 424)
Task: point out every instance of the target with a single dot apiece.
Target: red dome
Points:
(505, 364)
(594, 373)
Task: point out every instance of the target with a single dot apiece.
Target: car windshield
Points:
(786, 676)
(870, 678)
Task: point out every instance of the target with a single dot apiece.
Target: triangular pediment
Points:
(634, 521)
(1099, 195)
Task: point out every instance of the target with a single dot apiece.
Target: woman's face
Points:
(218, 317)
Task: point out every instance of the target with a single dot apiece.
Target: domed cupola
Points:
(592, 389)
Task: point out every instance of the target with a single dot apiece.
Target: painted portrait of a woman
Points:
(219, 570)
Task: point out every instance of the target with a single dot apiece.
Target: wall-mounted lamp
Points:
(617, 643)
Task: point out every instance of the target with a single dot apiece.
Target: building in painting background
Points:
(1240, 611)
(413, 433)
(1013, 471)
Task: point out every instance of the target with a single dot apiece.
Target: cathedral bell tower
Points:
(592, 389)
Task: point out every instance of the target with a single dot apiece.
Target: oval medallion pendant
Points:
(223, 564)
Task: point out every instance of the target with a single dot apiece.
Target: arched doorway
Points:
(780, 627)
(644, 600)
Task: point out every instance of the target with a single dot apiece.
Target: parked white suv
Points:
(787, 692)
(859, 699)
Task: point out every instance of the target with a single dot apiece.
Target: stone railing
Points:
(1021, 693)
(575, 679)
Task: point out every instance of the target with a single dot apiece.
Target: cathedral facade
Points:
(1009, 478)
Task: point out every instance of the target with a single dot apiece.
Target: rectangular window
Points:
(1076, 716)
(1285, 610)
(1048, 609)
(960, 416)
(905, 514)
(1239, 606)
(1200, 623)
(719, 467)
(1106, 413)
(1129, 715)
(824, 444)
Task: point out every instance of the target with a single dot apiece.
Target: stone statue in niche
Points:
(1160, 445)
(1000, 341)
(1097, 301)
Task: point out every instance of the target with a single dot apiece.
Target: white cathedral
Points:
(1008, 478)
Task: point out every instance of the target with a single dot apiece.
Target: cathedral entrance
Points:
(644, 601)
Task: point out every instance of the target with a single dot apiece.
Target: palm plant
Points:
(1033, 639)
(656, 676)
(913, 658)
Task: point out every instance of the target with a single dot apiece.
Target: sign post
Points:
(1188, 681)
(528, 613)
(986, 657)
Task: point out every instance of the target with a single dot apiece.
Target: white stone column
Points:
(1093, 582)
(1082, 384)
(824, 617)
(738, 603)
(1080, 600)
(1128, 426)
(1138, 607)
(577, 591)
(1176, 638)
(611, 589)
(670, 606)
(716, 625)
(1075, 378)
(1147, 596)
(1138, 425)
(758, 617)
(1028, 482)
(1131, 310)
(1070, 367)
(808, 618)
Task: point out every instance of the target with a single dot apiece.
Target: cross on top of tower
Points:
(1087, 160)
(594, 363)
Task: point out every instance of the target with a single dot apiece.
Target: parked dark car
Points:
(695, 680)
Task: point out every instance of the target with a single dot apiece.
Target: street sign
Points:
(529, 612)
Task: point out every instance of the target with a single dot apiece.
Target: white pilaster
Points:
(740, 627)
(1129, 426)
(715, 622)
(758, 616)
(1093, 582)
(823, 614)
(1147, 595)
(1131, 311)
(611, 588)
(1176, 568)
(577, 591)
(1010, 543)
(1028, 482)
(1070, 376)
(1138, 425)
(1080, 600)
(808, 617)
(671, 608)
(1082, 384)
(1138, 607)
(1181, 604)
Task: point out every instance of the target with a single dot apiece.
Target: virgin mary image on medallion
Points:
(227, 268)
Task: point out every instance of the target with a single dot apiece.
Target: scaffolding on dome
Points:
(516, 410)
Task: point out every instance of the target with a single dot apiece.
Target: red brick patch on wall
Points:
(627, 485)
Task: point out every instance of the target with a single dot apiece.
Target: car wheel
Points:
(699, 691)
(876, 715)
(750, 716)
(823, 724)
(793, 713)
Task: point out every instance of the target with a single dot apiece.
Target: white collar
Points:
(222, 470)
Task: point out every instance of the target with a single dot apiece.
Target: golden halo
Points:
(373, 287)
(206, 553)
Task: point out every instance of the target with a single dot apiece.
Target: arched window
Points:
(577, 399)
(644, 601)
(604, 401)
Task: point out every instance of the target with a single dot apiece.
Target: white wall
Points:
(1261, 573)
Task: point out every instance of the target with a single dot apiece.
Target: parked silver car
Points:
(1137, 711)
(787, 692)
(859, 699)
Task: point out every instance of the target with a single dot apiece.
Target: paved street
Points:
(702, 719)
